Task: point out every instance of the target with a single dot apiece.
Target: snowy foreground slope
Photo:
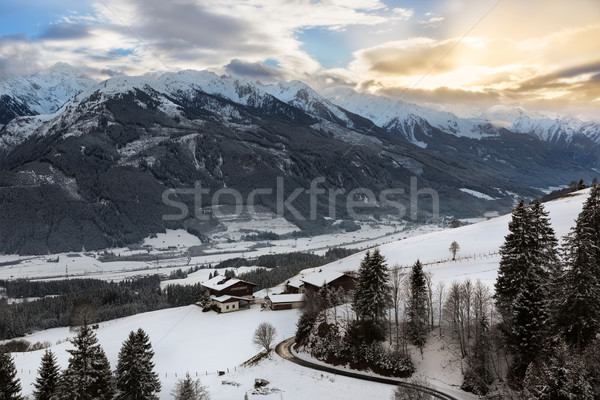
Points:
(187, 340)
(479, 244)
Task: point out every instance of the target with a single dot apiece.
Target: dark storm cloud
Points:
(66, 31)
(253, 70)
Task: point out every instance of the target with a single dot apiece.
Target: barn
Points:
(284, 301)
(221, 286)
(335, 280)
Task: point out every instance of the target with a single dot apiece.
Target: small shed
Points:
(285, 301)
(294, 286)
(228, 303)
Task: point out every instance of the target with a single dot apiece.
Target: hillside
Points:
(478, 257)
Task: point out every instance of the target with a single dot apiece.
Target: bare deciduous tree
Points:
(454, 248)
(264, 336)
(440, 296)
(396, 282)
(430, 313)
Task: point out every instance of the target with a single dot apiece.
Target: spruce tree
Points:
(372, 292)
(578, 301)
(48, 377)
(527, 266)
(529, 332)
(135, 376)
(88, 374)
(10, 387)
(546, 244)
(417, 306)
(516, 259)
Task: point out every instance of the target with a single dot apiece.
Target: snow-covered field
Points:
(187, 340)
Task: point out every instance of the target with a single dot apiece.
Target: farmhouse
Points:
(221, 285)
(227, 303)
(284, 301)
(335, 280)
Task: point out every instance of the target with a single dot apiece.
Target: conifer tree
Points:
(88, 374)
(578, 302)
(10, 387)
(135, 376)
(46, 383)
(189, 389)
(529, 332)
(417, 306)
(527, 266)
(546, 244)
(325, 296)
(516, 259)
(372, 292)
(563, 376)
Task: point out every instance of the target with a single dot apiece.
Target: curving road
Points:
(284, 351)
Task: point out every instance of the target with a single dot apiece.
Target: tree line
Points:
(93, 301)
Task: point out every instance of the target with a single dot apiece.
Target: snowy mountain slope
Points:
(479, 245)
(551, 127)
(42, 93)
(391, 113)
(557, 129)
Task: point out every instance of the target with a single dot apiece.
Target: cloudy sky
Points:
(456, 54)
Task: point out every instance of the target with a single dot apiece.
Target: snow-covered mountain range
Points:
(46, 91)
(95, 146)
(42, 93)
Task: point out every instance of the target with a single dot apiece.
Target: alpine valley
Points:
(86, 163)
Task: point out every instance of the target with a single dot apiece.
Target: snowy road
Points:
(283, 349)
